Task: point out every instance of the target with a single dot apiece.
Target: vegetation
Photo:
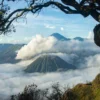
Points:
(83, 7)
(31, 92)
(88, 91)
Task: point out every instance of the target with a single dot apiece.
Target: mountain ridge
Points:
(60, 37)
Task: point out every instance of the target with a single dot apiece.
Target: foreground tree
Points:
(83, 7)
(31, 92)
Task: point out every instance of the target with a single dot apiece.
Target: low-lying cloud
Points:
(13, 79)
(85, 55)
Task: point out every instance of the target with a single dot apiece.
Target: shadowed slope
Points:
(48, 63)
(8, 54)
(60, 37)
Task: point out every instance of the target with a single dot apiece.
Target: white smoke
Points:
(85, 55)
(40, 45)
(93, 61)
(36, 46)
(90, 35)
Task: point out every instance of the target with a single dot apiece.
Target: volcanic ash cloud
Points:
(36, 46)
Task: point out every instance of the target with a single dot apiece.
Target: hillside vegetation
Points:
(88, 91)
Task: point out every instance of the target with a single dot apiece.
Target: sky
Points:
(50, 20)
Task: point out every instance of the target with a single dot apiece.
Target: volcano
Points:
(49, 63)
(79, 38)
(60, 37)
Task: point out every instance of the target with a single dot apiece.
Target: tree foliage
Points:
(83, 7)
(8, 15)
(31, 92)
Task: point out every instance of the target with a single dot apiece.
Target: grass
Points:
(89, 91)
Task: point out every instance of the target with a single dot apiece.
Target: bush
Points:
(88, 91)
(31, 92)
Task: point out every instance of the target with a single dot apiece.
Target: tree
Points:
(32, 92)
(83, 7)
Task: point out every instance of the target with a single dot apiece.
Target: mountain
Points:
(88, 91)
(48, 63)
(60, 37)
(79, 38)
(8, 53)
(4, 46)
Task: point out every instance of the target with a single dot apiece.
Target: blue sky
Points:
(50, 20)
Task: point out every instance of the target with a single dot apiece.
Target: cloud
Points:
(36, 46)
(40, 44)
(93, 61)
(65, 56)
(90, 35)
(62, 29)
(27, 39)
(13, 80)
(85, 55)
(49, 26)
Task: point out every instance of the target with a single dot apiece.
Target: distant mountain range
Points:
(79, 38)
(62, 38)
(8, 52)
(4, 46)
(48, 63)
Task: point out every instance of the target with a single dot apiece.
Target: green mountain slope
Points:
(89, 91)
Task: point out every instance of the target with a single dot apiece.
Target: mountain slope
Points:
(4, 46)
(60, 37)
(89, 91)
(9, 53)
(48, 63)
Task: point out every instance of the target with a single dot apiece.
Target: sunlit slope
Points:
(89, 91)
(48, 63)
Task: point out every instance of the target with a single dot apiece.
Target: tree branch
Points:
(35, 6)
(34, 9)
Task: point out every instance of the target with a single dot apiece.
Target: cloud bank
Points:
(13, 79)
(85, 55)
(39, 45)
